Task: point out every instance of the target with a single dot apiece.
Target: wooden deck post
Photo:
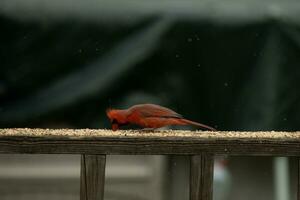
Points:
(201, 177)
(298, 178)
(92, 177)
(94, 144)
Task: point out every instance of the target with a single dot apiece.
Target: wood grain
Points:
(298, 178)
(201, 177)
(92, 177)
(87, 141)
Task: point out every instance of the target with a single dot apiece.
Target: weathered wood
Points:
(201, 177)
(92, 178)
(87, 141)
(298, 178)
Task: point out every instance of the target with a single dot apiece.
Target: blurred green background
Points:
(230, 64)
(233, 65)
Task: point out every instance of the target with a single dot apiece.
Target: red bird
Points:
(148, 116)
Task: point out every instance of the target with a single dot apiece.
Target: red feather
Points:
(149, 116)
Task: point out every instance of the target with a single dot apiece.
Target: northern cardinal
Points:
(148, 116)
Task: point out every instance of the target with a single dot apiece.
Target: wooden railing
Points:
(201, 146)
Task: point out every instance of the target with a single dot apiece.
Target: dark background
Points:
(233, 65)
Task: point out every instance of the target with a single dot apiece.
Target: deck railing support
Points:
(92, 178)
(298, 178)
(201, 177)
(201, 146)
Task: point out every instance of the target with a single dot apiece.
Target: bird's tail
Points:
(197, 124)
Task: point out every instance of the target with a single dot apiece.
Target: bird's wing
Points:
(151, 110)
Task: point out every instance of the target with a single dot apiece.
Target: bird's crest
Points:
(108, 110)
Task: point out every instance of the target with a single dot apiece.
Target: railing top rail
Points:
(99, 141)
